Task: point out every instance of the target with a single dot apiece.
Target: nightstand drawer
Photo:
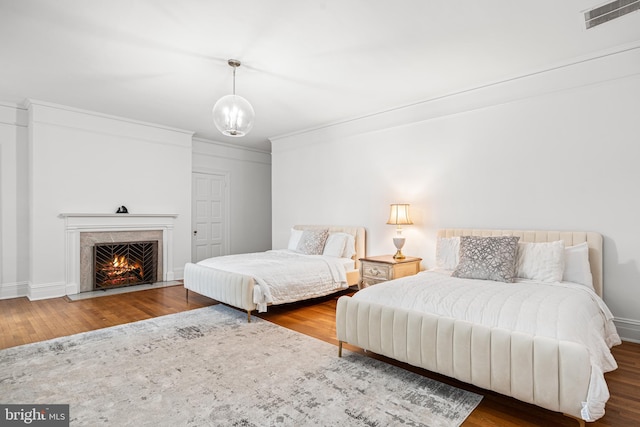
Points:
(366, 282)
(376, 271)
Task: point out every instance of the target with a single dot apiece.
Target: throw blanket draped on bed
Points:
(284, 276)
(564, 311)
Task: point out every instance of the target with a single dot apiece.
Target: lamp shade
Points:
(399, 215)
(233, 115)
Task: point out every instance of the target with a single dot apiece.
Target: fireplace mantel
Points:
(108, 220)
(107, 215)
(76, 223)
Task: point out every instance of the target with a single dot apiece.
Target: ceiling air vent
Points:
(610, 11)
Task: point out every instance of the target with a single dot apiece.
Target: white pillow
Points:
(540, 261)
(576, 265)
(447, 252)
(341, 245)
(294, 238)
(334, 246)
(349, 246)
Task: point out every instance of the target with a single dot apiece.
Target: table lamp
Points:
(399, 216)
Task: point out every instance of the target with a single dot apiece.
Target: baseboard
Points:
(14, 290)
(176, 274)
(72, 289)
(46, 290)
(42, 290)
(628, 329)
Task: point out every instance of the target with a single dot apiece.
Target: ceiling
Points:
(305, 63)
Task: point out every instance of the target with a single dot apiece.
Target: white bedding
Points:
(564, 311)
(285, 276)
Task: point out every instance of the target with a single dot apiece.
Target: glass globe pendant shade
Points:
(233, 115)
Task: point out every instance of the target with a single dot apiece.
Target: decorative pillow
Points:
(294, 238)
(576, 265)
(447, 252)
(540, 261)
(334, 246)
(487, 258)
(312, 241)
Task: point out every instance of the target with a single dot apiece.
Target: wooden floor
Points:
(23, 321)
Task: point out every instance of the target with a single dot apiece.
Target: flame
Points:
(120, 261)
(120, 270)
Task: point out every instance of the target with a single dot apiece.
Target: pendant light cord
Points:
(234, 80)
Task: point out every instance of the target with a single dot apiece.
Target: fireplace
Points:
(84, 230)
(89, 239)
(124, 264)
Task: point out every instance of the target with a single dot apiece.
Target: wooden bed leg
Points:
(186, 291)
(339, 348)
(580, 421)
(248, 316)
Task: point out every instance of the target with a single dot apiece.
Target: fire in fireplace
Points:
(125, 264)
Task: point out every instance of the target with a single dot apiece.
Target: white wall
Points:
(85, 162)
(13, 201)
(249, 174)
(55, 159)
(557, 150)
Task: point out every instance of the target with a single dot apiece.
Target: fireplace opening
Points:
(124, 264)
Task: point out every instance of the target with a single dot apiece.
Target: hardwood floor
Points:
(23, 321)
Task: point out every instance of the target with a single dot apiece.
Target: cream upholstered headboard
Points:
(357, 232)
(570, 238)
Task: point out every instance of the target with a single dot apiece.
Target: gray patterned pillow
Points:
(488, 258)
(312, 241)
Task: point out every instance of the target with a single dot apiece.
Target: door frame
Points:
(226, 233)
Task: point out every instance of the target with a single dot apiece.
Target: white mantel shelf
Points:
(105, 221)
(107, 215)
(76, 223)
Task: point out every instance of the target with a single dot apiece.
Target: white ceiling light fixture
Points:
(232, 114)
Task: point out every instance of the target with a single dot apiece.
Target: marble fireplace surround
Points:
(83, 230)
(89, 239)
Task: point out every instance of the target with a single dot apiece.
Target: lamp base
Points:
(399, 243)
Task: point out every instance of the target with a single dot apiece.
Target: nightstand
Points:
(378, 269)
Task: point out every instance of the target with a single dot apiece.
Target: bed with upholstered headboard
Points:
(319, 260)
(541, 335)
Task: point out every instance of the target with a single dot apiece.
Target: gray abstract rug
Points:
(209, 367)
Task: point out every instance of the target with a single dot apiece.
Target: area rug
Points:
(209, 367)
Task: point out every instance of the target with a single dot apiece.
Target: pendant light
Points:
(232, 114)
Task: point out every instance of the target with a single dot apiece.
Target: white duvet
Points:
(564, 311)
(285, 276)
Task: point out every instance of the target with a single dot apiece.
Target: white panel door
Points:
(210, 223)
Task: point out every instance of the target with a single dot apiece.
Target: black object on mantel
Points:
(122, 209)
